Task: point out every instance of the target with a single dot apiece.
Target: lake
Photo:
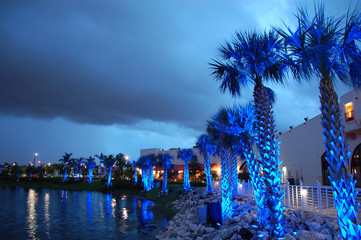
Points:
(31, 213)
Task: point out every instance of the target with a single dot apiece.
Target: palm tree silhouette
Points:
(65, 160)
(327, 47)
(186, 155)
(142, 163)
(164, 160)
(206, 147)
(109, 162)
(101, 159)
(90, 164)
(253, 58)
(78, 164)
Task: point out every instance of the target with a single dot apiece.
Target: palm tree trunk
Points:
(165, 176)
(65, 175)
(257, 184)
(267, 146)
(338, 157)
(151, 177)
(186, 184)
(109, 177)
(207, 171)
(135, 175)
(226, 185)
(90, 175)
(234, 175)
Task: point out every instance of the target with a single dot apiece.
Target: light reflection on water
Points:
(59, 214)
(32, 216)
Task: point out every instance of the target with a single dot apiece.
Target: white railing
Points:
(317, 199)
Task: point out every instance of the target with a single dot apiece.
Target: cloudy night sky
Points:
(92, 76)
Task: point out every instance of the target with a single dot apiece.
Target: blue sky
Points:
(117, 76)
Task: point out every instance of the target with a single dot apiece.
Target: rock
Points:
(199, 231)
(227, 233)
(210, 230)
(235, 237)
(228, 222)
(314, 227)
(262, 235)
(193, 227)
(245, 233)
(289, 237)
(181, 233)
(307, 235)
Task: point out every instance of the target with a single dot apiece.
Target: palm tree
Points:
(78, 164)
(101, 159)
(109, 162)
(186, 155)
(143, 165)
(150, 162)
(206, 147)
(90, 164)
(223, 130)
(134, 165)
(327, 47)
(253, 58)
(164, 161)
(72, 164)
(65, 160)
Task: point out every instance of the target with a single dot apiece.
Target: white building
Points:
(302, 150)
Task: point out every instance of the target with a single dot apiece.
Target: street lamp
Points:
(35, 154)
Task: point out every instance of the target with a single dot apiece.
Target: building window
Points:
(356, 165)
(349, 111)
(325, 171)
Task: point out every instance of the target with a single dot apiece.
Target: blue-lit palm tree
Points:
(245, 120)
(90, 164)
(134, 165)
(151, 160)
(101, 159)
(253, 58)
(165, 161)
(186, 155)
(224, 130)
(109, 162)
(206, 148)
(65, 160)
(142, 163)
(328, 48)
(78, 164)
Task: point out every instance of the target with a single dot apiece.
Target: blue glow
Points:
(226, 186)
(186, 155)
(65, 160)
(165, 160)
(206, 147)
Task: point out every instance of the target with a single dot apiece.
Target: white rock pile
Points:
(298, 224)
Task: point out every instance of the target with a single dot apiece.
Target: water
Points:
(28, 213)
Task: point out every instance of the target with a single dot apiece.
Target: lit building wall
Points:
(301, 150)
(302, 147)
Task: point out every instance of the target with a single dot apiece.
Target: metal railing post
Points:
(288, 194)
(302, 196)
(319, 203)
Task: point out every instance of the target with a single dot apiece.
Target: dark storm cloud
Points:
(115, 62)
(121, 61)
